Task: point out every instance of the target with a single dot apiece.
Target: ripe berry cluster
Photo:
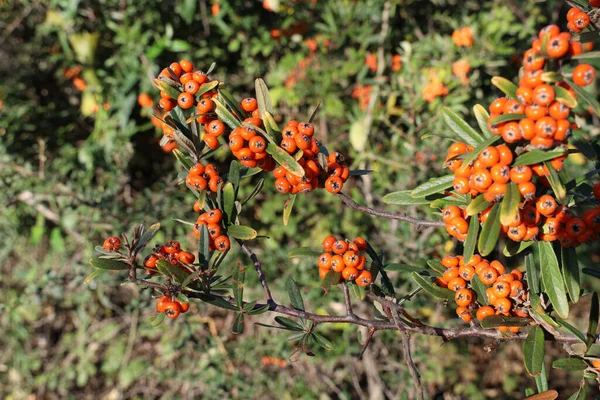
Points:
(506, 292)
(190, 83)
(578, 20)
(171, 307)
(171, 252)
(343, 256)
(112, 243)
(218, 239)
(540, 122)
(201, 177)
(247, 144)
(299, 136)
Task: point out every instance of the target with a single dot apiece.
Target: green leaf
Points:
(287, 208)
(472, 155)
(288, 323)
(332, 278)
(225, 115)
(285, 160)
(434, 185)
(169, 90)
(482, 116)
(359, 134)
(591, 272)
(263, 97)
(477, 205)
(576, 332)
(241, 232)
(533, 351)
(581, 394)
(448, 200)
(593, 321)
(237, 285)
(205, 88)
(233, 175)
(360, 172)
(300, 252)
(157, 320)
(480, 289)
(458, 125)
(273, 133)
(506, 86)
(171, 271)
(294, 294)
(513, 248)
(587, 55)
(569, 364)
(565, 97)
(238, 324)
(471, 241)
(436, 266)
(397, 267)
(229, 202)
(146, 237)
(435, 291)
(203, 247)
(505, 118)
(255, 191)
(533, 273)
(322, 341)
(588, 98)
(109, 264)
(404, 198)
(537, 156)
(552, 279)
(494, 321)
(260, 310)
(509, 209)
(541, 380)
(97, 272)
(359, 292)
(490, 232)
(570, 272)
(557, 186)
(228, 99)
(217, 302)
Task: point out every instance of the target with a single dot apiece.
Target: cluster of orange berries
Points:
(299, 136)
(343, 256)
(505, 292)
(218, 239)
(171, 307)
(463, 37)
(579, 20)
(172, 253)
(190, 82)
(363, 94)
(434, 89)
(248, 145)
(73, 74)
(201, 177)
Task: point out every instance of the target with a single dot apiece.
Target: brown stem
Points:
(384, 214)
(259, 271)
(411, 365)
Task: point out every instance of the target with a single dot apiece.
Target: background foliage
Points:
(76, 166)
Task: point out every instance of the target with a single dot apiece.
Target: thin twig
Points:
(384, 214)
(411, 365)
(259, 271)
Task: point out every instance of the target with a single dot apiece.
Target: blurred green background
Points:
(79, 165)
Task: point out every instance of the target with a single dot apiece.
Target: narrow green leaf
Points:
(570, 272)
(272, 131)
(238, 324)
(300, 252)
(477, 205)
(506, 118)
(490, 232)
(260, 310)
(552, 279)
(513, 248)
(203, 248)
(482, 116)
(509, 209)
(359, 292)
(332, 278)
(446, 201)
(287, 208)
(217, 302)
(229, 202)
(435, 291)
(205, 88)
(434, 185)
(593, 321)
(263, 97)
(581, 394)
(576, 332)
(314, 113)
(241, 232)
(472, 155)
(471, 241)
(288, 323)
(321, 340)
(97, 272)
(109, 264)
(460, 127)
(225, 115)
(237, 285)
(233, 175)
(569, 364)
(294, 294)
(404, 198)
(587, 55)
(157, 320)
(171, 271)
(537, 156)
(584, 95)
(285, 160)
(591, 272)
(437, 266)
(506, 86)
(533, 351)
(565, 97)
(168, 89)
(360, 172)
(557, 186)
(541, 380)
(533, 273)
(228, 99)
(480, 289)
(397, 267)
(146, 237)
